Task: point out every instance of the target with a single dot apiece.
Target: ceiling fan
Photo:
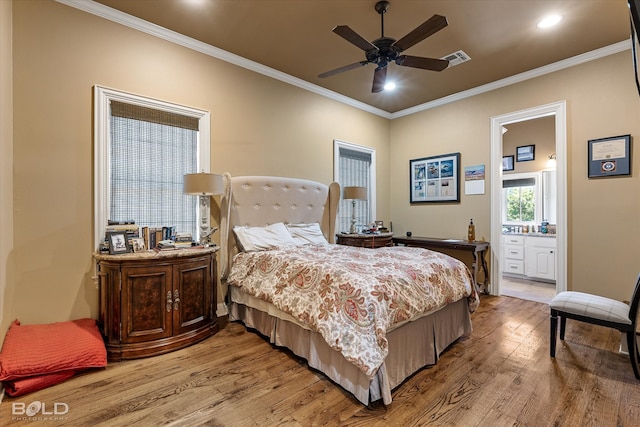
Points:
(384, 50)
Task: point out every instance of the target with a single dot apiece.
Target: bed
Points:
(270, 289)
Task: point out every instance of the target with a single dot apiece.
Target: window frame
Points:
(102, 140)
(337, 144)
(537, 191)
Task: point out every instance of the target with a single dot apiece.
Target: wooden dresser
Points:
(365, 240)
(156, 302)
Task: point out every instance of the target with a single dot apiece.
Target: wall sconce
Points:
(353, 194)
(551, 161)
(204, 185)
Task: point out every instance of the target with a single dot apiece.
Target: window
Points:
(143, 149)
(521, 199)
(354, 165)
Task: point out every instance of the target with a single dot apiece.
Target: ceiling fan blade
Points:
(424, 63)
(379, 79)
(427, 28)
(354, 38)
(343, 69)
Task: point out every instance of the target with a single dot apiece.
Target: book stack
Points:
(183, 240)
(166, 245)
(153, 235)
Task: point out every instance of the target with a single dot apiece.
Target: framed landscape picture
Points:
(435, 179)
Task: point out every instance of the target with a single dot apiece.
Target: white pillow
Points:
(262, 238)
(304, 234)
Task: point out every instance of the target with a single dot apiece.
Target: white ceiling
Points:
(295, 37)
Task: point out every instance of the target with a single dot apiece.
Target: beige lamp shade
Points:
(203, 184)
(357, 193)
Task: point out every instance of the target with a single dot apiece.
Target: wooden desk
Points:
(478, 249)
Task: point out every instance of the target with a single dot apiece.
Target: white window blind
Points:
(151, 151)
(355, 168)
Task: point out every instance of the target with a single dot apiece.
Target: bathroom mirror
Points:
(549, 186)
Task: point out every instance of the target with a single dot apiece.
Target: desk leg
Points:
(479, 257)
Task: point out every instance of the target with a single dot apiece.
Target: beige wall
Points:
(602, 214)
(259, 126)
(6, 161)
(263, 126)
(539, 132)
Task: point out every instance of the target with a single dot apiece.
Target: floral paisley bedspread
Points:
(352, 296)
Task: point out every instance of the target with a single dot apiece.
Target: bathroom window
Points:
(521, 198)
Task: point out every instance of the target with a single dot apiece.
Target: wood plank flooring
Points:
(499, 375)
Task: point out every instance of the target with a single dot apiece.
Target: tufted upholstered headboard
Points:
(263, 200)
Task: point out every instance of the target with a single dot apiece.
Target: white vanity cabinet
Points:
(513, 254)
(540, 257)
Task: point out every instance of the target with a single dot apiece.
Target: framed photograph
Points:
(507, 163)
(609, 156)
(435, 179)
(137, 244)
(118, 243)
(525, 153)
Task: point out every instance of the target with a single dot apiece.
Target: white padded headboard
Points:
(263, 200)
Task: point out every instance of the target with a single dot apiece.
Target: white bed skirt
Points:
(412, 346)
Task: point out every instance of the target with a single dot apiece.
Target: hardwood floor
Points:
(499, 375)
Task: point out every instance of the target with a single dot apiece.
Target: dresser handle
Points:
(169, 301)
(176, 303)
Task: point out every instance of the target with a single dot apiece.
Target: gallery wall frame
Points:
(525, 153)
(609, 156)
(507, 163)
(435, 179)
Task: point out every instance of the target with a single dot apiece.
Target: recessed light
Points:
(549, 21)
(389, 86)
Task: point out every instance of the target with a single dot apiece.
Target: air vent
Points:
(456, 58)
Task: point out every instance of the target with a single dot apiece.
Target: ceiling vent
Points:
(456, 58)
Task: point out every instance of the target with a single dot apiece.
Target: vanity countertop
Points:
(530, 234)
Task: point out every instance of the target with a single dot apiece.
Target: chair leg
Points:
(563, 326)
(554, 332)
(632, 344)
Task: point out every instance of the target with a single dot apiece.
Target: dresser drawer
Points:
(513, 240)
(513, 266)
(514, 252)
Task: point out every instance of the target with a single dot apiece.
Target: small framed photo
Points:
(118, 243)
(525, 153)
(507, 163)
(137, 244)
(610, 156)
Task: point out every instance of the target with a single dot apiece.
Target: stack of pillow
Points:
(278, 235)
(37, 356)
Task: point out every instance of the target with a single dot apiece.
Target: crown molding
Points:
(127, 20)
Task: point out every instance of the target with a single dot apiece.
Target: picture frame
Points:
(137, 244)
(435, 179)
(525, 153)
(507, 163)
(118, 243)
(609, 156)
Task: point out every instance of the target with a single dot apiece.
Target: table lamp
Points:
(204, 185)
(353, 194)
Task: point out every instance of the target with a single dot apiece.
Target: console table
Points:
(478, 249)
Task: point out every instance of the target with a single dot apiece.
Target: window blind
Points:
(150, 152)
(354, 171)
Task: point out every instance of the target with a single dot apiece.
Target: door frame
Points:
(559, 110)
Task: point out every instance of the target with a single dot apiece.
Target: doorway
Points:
(558, 110)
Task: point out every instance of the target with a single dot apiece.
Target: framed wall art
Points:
(435, 179)
(609, 156)
(507, 163)
(525, 153)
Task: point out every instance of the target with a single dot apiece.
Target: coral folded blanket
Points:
(37, 356)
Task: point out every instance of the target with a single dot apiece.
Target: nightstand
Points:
(365, 240)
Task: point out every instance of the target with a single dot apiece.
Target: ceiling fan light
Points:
(389, 86)
(549, 21)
